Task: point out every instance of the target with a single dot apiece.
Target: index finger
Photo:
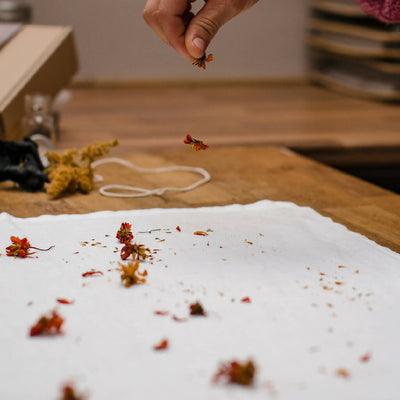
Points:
(173, 18)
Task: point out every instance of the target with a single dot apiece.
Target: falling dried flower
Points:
(195, 144)
(48, 325)
(235, 372)
(137, 250)
(201, 62)
(131, 275)
(124, 233)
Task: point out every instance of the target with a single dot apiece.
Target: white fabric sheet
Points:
(307, 317)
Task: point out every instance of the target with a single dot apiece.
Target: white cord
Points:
(108, 190)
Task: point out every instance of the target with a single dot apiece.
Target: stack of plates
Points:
(352, 52)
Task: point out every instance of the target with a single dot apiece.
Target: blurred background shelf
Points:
(353, 53)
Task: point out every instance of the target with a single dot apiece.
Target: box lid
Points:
(37, 59)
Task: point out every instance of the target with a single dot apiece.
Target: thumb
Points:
(203, 27)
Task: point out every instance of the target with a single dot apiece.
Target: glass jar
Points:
(38, 118)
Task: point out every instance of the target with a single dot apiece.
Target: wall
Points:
(115, 44)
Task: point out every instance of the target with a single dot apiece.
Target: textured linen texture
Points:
(323, 301)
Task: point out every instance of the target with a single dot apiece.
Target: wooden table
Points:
(239, 175)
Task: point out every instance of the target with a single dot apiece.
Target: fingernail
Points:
(199, 43)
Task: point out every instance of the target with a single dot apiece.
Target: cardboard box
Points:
(38, 59)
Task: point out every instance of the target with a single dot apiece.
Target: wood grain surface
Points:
(239, 175)
(311, 120)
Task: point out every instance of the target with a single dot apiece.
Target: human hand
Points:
(190, 34)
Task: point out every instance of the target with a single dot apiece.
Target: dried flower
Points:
(201, 62)
(246, 300)
(124, 235)
(234, 372)
(138, 249)
(48, 326)
(197, 309)
(130, 274)
(195, 144)
(19, 248)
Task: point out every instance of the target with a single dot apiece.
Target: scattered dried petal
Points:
(163, 345)
(178, 319)
(235, 372)
(366, 357)
(68, 393)
(48, 326)
(163, 313)
(246, 300)
(342, 373)
(91, 273)
(200, 233)
(65, 301)
(178, 228)
(197, 309)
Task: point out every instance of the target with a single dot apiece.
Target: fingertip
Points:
(196, 46)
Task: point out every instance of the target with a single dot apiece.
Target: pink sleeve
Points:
(385, 10)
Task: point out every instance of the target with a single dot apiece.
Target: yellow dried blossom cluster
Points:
(67, 175)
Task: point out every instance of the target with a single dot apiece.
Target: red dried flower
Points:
(178, 228)
(124, 235)
(48, 326)
(195, 144)
(234, 372)
(201, 62)
(19, 248)
(246, 300)
(138, 249)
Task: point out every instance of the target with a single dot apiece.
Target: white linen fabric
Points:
(323, 304)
